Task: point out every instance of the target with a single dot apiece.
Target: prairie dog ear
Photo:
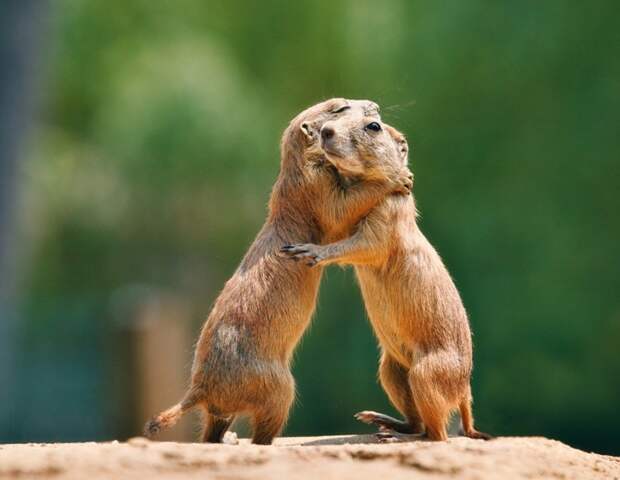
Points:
(401, 143)
(308, 131)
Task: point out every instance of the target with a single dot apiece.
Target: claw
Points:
(294, 249)
(303, 252)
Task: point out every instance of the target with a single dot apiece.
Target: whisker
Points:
(399, 106)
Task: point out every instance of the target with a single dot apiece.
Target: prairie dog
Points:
(412, 302)
(241, 361)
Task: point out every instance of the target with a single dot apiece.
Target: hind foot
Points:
(385, 423)
(475, 434)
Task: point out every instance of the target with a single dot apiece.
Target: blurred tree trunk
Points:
(20, 32)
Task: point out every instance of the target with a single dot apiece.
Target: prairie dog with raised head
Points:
(241, 362)
(413, 305)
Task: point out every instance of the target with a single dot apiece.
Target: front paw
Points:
(309, 253)
(405, 182)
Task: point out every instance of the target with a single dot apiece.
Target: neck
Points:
(291, 220)
(290, 204)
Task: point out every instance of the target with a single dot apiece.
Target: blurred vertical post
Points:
(161, 349)
(151, 351)
(20, 31)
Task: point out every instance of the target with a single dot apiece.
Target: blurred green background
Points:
(154, 146)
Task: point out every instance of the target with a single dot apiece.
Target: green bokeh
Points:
(158, 145)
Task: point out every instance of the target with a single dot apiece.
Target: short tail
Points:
(169, 417)
(467, 419)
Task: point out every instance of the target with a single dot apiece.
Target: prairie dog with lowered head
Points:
(413, 305)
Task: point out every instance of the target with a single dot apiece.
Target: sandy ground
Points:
(359, 457)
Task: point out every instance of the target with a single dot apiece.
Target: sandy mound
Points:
(323, 458)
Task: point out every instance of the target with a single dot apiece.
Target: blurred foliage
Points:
(158, 146)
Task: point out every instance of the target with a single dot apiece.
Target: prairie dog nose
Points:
(327, 132)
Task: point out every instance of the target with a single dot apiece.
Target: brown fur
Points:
(241, 362)
(413, 305)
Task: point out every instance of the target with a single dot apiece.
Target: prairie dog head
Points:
(301, 142)
(361, 145)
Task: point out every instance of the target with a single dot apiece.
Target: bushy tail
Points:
(169, 417)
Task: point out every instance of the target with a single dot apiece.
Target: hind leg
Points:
(394, 379)
(269, 418)
(435, 384)
(215, 427)
(267, 425)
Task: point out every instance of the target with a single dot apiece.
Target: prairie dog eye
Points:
(374, 126)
